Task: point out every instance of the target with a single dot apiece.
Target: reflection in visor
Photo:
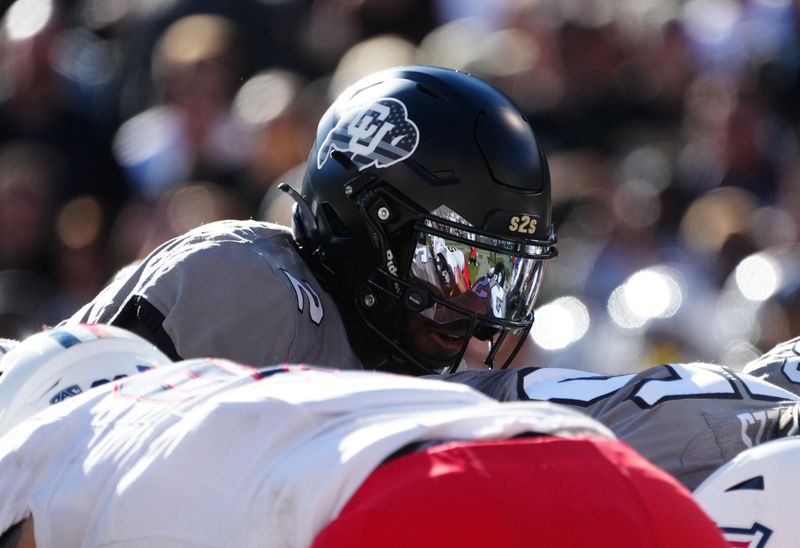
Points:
(489, 283)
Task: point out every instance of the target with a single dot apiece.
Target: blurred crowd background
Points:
(671, 127)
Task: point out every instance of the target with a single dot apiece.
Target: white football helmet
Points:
(751, 498)
(59, 363)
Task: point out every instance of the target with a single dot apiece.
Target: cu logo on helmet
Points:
(377, 133)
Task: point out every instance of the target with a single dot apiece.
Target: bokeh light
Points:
(265, 96)
(758, 277)
(649, 293)
(79, 223)
(560, 323)
(25, 18)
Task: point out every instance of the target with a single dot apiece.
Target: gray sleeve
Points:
(233, 290)
(221, 301)
(257, 305)
(218, 301)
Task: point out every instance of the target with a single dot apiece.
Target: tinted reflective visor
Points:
(495, 286)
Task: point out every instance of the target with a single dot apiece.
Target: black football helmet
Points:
(425, 211)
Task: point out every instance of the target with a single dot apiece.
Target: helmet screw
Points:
(384, 213)
(348, 190)
(369, 300)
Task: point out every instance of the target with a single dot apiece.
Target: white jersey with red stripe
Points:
(210, 453)
(233, 289)
(688, 419)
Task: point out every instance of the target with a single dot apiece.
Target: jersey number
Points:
(314, 302)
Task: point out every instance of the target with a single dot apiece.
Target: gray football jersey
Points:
(689, 419)
(780, 366)
(237, 290)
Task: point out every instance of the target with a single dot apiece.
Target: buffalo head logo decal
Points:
(378, 133)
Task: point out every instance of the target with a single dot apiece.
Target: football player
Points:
(401, 157)
(210, 453)
(689, 419)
